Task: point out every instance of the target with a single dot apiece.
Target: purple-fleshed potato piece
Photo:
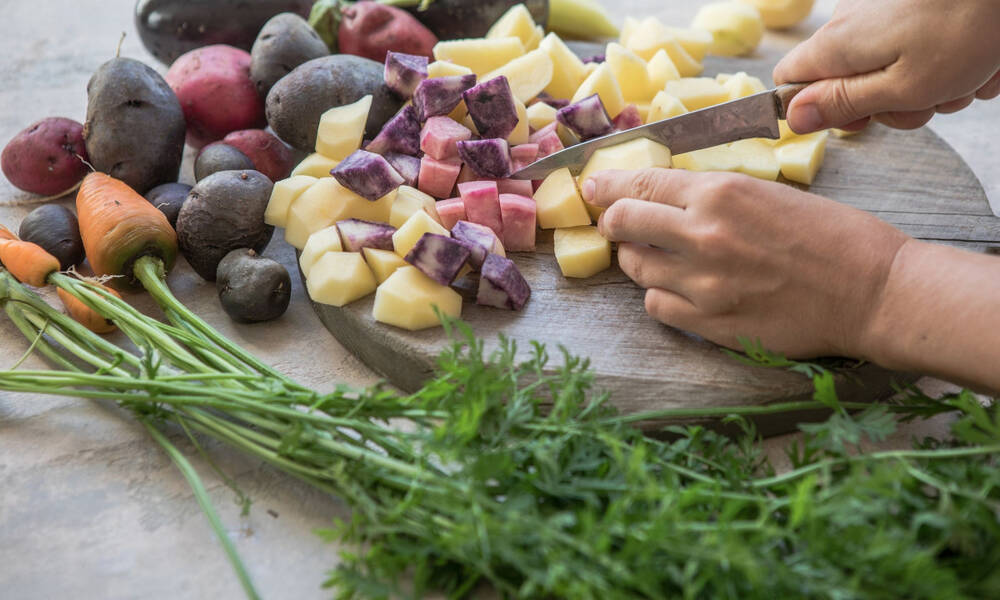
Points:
(519, 221)
(404, 72)
(587, 118)
(439, 257)
(548, 140)
(356, 235)
(367, 174)
(451, 211)
(440, 95)
(439, 136)
(596, 58)
(482, 204)
(407, 166)
(628, 119)
(481, 241)
(487, 158)
(492, 108)
(501, 285)
(401, 135)
(437, 177)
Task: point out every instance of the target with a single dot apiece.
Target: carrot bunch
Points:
(28, 262)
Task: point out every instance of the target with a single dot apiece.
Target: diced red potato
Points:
(371, 30)
(47, 157)
(440, 135)
(356, 235)
(523, 155)
(367, 174)
(439, 257)
(501, 285)
(404, 72)
(400, 135)
(437, 177)
(492, 108)
(489, 158)
(521, 187)
(480, 240)
(587, 118)
(482, 204)
(269, 155)
(439, 96)
(548, 140)
(629, 118)
(451, 211)
(407, 166)
(519, 222)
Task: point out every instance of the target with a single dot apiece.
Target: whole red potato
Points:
(268, 154)
(216, 93)
(370, 29)
(45, 158)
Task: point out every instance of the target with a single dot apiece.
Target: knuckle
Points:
(645, 184)
(841, 97)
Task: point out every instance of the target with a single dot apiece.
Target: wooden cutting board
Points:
(913, 180)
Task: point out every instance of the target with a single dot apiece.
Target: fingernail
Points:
(588, 188)
(805, 119)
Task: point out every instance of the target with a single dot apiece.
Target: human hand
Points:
(728, 256)
(897, 61)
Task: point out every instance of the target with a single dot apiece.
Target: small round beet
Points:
(169, 198)
(220, 157)
(252, 288)
(55, 228)
(45, 158)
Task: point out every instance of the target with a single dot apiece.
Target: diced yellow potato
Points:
(722, 78)
(842, 133)
(325, 203)
(631, 156)
(742, 85)
(407, 299)
(383, 263)
(628, 28)
(591, 67)
(631, 73)
(459, 113)
(581, 251)
(718, 158)
(413, 229)
(665, 106)
(581, 19)
(470, 124)
(408, 201)
(480, 54)
(568, 70)
(516, 22)
(651, 36)
(785, 133)
(540, 114)
(341, 129)
(736, 27)
(339, 278)
(443, 68)
(603, 83)
(522, 132)
(643, 108)
(802, 156)
(558, 202)
(315, 165)
(567, 137)
(321, 242)
(779, 14)
(695, 42)
(756, 158)
(661, 70)
(283, 194)
(697, 92)
(528, 75)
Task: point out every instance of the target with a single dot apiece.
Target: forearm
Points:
(939, 314)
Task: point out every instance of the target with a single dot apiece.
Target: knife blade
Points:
(754, 116)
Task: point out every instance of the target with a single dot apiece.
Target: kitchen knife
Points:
(751, 117)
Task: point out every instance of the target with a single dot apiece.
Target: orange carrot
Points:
(84, 315)
(6, 234)
(118, 226)
(28, 263)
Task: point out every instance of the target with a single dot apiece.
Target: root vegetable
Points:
(45, 158)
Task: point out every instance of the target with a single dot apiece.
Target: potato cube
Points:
(480, 55)
(661, 70)
(718, 158)
(339, 278)
(412, 230)
(283, 194)
(520, 221)
(408, 201)
(629, 25)
(522, 131)
(528, 75)
(437, 177)
(736, 27)
(341, 129)
(695, 42)
(559, 204)
(665, 106)
(631, 156)
(742, 85)
(383, 263)
(443, 68)
(407, 299)
(316, 165)
(568, 70)
(631, 73)
(540, 114)
(603, 83)
(325, 203)
(516, 22)
(756, 158)
(779, 14)
(697, 92)
(801, 157)
(451, 211)
(581, 251)
(321, 242)
(651, 36)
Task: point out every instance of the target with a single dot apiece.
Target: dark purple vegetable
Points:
(587, 118)
(480, 239)
(55, 228)
(501, 285)
(252, 289)
(555, 103)
(356, 235)
(285, 42)
(400, 135)
(492, 108)
(487, 158)
(407, 166)
(169, 198)
(220, 157)
(439, 96)
(367, 174)
(404, 72)
(455, 19)
(439, 257)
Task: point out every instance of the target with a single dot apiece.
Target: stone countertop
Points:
(90, 507)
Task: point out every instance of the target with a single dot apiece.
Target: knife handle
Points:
(784, 95)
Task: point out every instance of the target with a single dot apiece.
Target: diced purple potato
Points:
(401, 135)
(587, 118)
(404, 72)
(488, 158)
(439, 257)
(596, 58)
(367, 174)
(440, 135)
(521, 187)
(492, 108)
(407, 166)
(451, 211)
(519, 222)
(555, 103)
(439, 96)
(356, 235)
(481, 241)
(438, 177)
(501, 285)
(482, 204)
(523, 155)
(628, 119)
(548, 140)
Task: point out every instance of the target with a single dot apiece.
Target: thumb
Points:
(841, 101)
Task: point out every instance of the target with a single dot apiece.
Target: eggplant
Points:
(169, 28)
(458, 19)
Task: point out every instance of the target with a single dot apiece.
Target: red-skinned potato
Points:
(269, 155)
(45, 158)
(216, 93)
(370, 29)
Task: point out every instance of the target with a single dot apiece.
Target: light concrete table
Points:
(89, 505)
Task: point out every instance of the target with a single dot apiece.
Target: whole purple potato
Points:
(46, 157)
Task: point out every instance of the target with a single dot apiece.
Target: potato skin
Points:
(42, 159)
(270, 155)
(218, 156)
(285, 42)
(56, 229)
(371, 30)
(169, 198)
(224, 212)
(296, 103)
(135, 126)
(251, 288)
